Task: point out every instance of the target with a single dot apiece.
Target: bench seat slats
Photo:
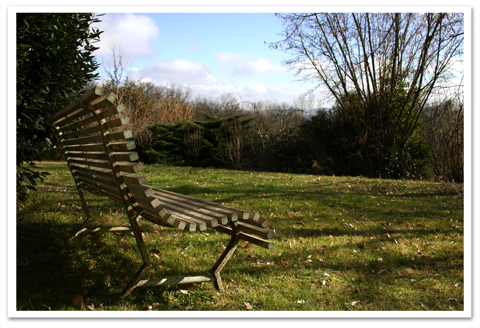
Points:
(253, 227)
(198, 203)
(221, 217)
(240, 213)
(250, 216)
(177, 220)
(161, 216)
(154, 203)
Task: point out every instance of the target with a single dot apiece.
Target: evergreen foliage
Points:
(54, 63)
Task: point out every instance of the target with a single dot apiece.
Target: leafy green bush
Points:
(54, 63)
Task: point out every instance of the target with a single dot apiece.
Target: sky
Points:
(211, 53)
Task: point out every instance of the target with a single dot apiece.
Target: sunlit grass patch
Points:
(341, 244)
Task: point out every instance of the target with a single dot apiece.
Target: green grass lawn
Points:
(341, 244)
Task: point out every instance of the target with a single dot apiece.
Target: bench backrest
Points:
(99, 151)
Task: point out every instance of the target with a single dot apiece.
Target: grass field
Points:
(341, 244)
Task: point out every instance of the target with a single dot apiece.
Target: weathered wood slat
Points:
(78, 132)
(90, 162)
(127, 177)
(162, 215)
(240, 213)
(213, 217)
(94, 136)
(251, 239)
(88, 154)
(153, 204)
(84, 140)
(142, 190)
(130, 167)
(190, 211)
(86, 122)
(110, 189)
(229, 215)
(95, 170)
(116, 146)
(190, 223)
(134, 178)
(96, 106)
(148, 202)
(102, 189)
(126, 156)
(256, 219)
(254, 230)
(121, 121)
(134, 188)
(121, 135)
(87, 98)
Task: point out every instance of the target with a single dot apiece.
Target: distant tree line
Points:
(172, 128)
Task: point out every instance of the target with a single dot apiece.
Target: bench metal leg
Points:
(87, 212)
(147, 264)
(136, 281)
(227, 253)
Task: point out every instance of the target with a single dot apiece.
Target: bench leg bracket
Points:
(227, 253)
(147, 264)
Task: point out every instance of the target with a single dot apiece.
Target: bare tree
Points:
(382, 67)
(115, 70)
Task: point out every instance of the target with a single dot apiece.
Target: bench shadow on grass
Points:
(53, 266)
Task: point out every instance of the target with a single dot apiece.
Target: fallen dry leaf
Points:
(248, 306)
(78, 302)
(410, 271)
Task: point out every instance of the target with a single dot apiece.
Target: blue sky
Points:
(212, 53)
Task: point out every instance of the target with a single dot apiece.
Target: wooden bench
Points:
(101, 156)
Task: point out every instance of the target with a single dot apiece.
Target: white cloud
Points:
(203, 83)
(178, 71)
(133, 32)
(257, 87)
(258, 66)
(245, 64)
